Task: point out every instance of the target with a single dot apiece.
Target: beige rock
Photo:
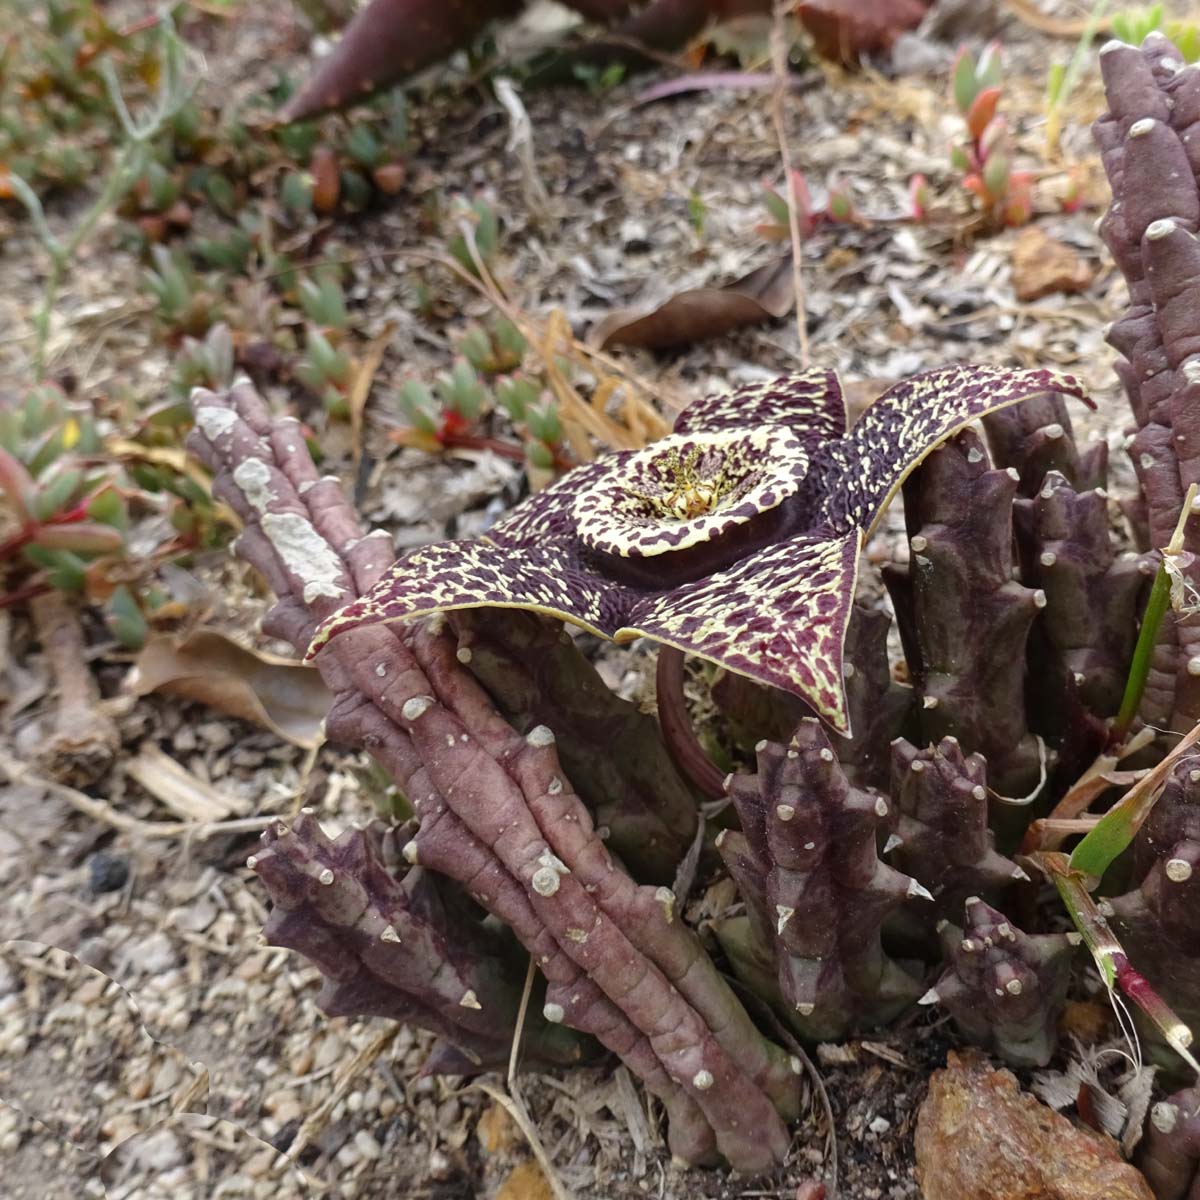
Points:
(1043, 265)
(979, 1137)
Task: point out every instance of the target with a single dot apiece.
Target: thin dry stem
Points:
(515, 1053)
(779, 67)
(515, 1107)
(317, 1119)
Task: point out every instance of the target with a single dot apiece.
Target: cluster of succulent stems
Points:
(879, 836)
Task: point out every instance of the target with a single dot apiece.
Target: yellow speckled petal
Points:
(778, 616)
(548, 512)
(913, 418)
(638, 508)
(547, 578)
(809, 402)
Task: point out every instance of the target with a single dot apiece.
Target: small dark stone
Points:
(286, 1136)
(107, 872)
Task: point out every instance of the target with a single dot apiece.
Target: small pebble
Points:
(107, 872)
(368, 1147)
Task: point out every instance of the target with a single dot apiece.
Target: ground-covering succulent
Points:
(67, 499)
(1134, 25)
(984, 158)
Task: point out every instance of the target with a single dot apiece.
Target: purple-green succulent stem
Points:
(679, 736)
(1115, 831)
(1109, 955)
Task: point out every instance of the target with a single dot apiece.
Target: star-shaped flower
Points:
(736, 538)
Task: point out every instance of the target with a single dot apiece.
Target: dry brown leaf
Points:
(277, 693)
(525, 1182)
(368, 365)
(176, 788)
(844, 30)
(765, 294)
(1043, 265)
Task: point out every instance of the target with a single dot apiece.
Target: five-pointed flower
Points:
(736, 538)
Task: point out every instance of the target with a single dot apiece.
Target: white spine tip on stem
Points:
(389, 934)
(785, 812)
(1164, 1116)
(1157, 230)
(325, 878)
(554, 1013)
(469, 1000)
(417, 707)
(881, 807)
(540, 735)
(1142, 127)
(411, 852)
(545, 881)
(1178, 870)
(1014, 987)
(917, 892)
(702, 1080)
(930, 997)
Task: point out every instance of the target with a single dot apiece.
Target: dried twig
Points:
(779, 66)
(520, 1115)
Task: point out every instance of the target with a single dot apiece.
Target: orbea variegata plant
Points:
(496, 810)
(735, 539)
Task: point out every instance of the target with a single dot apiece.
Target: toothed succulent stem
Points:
(878, 706)
(1148, 142)
(1004, 988)
(536, 675)
(1169, 1157)
(1037, 437)
(827, 894)
(942, 837)
(963, 618)
(1084, 637)
(1156, 923)
(404, 948)
(496, 810)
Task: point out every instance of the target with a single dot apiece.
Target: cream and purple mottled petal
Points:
(688, 489)
(545, 578)
(548, 513)
(810, 402)
(912, 419)
(778, 616)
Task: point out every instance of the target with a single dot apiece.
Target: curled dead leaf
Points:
(279, 694)
(766, 293)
